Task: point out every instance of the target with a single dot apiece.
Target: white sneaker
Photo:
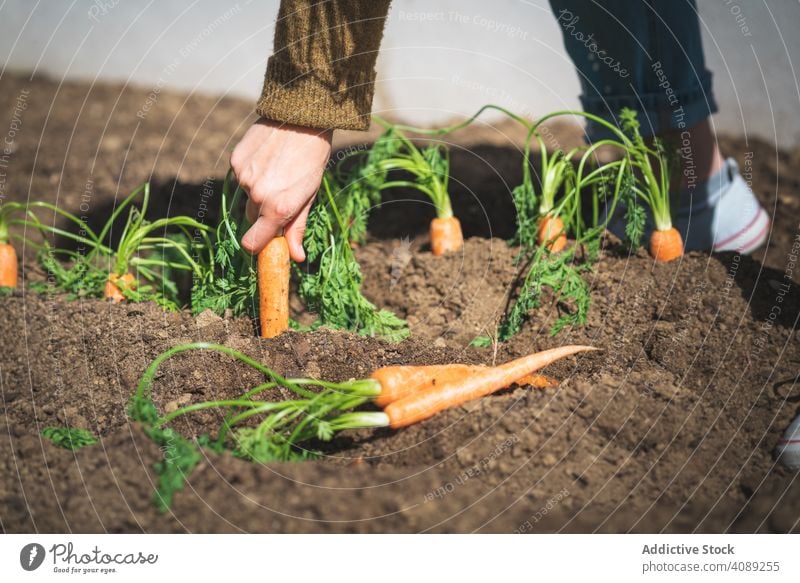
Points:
(788, 450)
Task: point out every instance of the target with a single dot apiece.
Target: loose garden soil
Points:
(671, 427)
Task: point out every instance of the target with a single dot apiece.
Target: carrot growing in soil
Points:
(139, 236)
(563, 272)
(430, 167)
(650, 171)
(329, 280)
(139, 268)
(8, 255)
(9, 261)
(666, 243)
(557, 172)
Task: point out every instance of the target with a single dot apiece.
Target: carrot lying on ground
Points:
(112, 290)
(551, 233)
(423, 404)
(273, 287)
(398, 382)
(666, 245)
(446, 235)
(314, 415)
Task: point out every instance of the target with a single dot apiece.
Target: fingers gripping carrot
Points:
(446, 235)
(666, 245)
(113, 291)
(424, 404)
(273, 287)
(8, 266)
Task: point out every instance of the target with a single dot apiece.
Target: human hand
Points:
(280, 166)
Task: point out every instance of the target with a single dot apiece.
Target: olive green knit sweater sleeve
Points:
(322, 71)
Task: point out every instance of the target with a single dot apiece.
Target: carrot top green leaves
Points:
(72, 438)
(330, 282)
(227, 278)
(428, 166)
(252, 428)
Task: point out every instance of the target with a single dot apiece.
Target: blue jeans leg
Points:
(643, 54)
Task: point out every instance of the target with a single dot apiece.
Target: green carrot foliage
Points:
(330, 284)
(72, 438)
(252, 429)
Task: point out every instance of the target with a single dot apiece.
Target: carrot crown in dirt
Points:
(544, 220)
(427, 170)
(141, 266)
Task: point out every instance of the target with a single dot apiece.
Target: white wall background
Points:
(440, 59)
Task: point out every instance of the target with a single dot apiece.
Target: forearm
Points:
(322, 72)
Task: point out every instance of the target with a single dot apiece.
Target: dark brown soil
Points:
(670, 428)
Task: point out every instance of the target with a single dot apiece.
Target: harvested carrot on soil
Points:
(398, 382)
(273, 287)
(425, 404)
(537, 381)
(266, 430)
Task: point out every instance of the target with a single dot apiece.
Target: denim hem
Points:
(658, 112)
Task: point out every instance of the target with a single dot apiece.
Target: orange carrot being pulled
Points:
(551, 233)
(398, 382)
(424, 404)
(446, 235)
(273, 287)
(113, 291)
(8, 266)
(666, 245)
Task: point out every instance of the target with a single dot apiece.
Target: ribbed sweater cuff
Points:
(299, 95)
